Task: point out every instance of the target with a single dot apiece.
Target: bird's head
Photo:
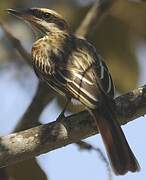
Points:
(43, 19)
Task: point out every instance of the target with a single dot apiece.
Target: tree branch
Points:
(35, 141)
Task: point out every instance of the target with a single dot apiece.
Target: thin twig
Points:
(86, 146)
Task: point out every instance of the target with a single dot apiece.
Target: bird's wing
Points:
(85, 74)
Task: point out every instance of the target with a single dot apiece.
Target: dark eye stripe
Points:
(41, 15)
(48, 17)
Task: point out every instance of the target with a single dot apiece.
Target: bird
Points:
(71, 66)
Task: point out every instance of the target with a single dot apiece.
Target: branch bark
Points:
(35, 141)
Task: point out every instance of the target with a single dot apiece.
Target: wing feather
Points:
(85, 74)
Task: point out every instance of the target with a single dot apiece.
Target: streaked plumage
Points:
(74, 70)
(72, 67)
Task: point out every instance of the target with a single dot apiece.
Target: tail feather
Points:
(120, 155)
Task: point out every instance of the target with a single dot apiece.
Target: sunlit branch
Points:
(38, 140)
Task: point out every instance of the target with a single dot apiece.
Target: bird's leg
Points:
(62, 114)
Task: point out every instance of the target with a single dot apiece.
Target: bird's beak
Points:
(23, 14)
(14, 12)
(28, 15)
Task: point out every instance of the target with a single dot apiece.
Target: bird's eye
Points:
(46, 15)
